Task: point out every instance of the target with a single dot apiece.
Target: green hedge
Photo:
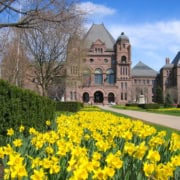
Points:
(149, 106)
(132, 105)
(69, 106)
(145, 106)
(19, 106)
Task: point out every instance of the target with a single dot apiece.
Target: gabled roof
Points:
(143, 70)
(176, 60)
(98, 31)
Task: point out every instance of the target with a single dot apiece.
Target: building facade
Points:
(170, 78)
(98, 70)
(105, 75)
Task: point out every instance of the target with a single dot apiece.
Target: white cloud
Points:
(96, 9)
(151, 43)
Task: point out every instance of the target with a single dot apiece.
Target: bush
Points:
(23, 107)
(149, 106)
(69, 106)
(132, 105)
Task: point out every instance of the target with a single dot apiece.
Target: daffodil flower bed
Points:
(91, 145)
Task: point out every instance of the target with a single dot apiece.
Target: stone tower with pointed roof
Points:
(106, 74)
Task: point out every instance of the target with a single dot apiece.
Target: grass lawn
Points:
(169, 111)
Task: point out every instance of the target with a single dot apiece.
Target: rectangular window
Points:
(71, 95)
(125, 85)
(121, 96)
(121, 85)
(125, 96)
(75, 97)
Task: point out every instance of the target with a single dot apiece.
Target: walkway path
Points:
(161, 119)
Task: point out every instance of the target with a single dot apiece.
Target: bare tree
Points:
(29, 13)
(14, 62)
(47, 47)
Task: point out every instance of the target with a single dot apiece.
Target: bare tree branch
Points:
(35, 12)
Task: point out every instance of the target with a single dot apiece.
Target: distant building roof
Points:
(143, 70)
(168, 66)
(176, 60)
(98, 31)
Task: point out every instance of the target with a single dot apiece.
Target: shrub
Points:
(149, 106)
(23, 107)
(69, 106)
(132, 105)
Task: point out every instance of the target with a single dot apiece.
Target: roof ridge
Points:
(99, 31)
(144, 65)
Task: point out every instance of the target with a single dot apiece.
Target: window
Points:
(105, 60)
(121, 96)
(123, 59)
(98, 75)
(125, 85)
(86, 97)
(98, 50)
(86, 77)
(75, 95)
(71, 95)
(111, 97)
(113, 61)
(122, 85)
(110, 76)
(91, 60)
(125, 96)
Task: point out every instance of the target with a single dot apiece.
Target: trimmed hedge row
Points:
(149, 106)
(145, 106)
(19, 106)
(69, 106)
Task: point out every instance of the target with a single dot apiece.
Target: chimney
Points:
(167, 60)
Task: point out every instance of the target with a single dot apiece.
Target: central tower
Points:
(123, 57)
(123, 68)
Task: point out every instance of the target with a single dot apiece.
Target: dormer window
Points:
(98, 50)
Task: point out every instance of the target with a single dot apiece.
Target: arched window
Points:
(123, 59)
(86, 97)
(111, 98)
(110, 76)
(86, 77)
(98, 76)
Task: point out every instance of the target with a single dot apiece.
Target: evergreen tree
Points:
(168, 100)
(159, 95)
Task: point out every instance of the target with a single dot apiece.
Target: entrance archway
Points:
(86, 97)
(98, 97)
(111, 97)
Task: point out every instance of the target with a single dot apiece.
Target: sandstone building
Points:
(99, 70)
(105, 74)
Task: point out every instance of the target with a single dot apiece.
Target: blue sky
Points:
(153, 26)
